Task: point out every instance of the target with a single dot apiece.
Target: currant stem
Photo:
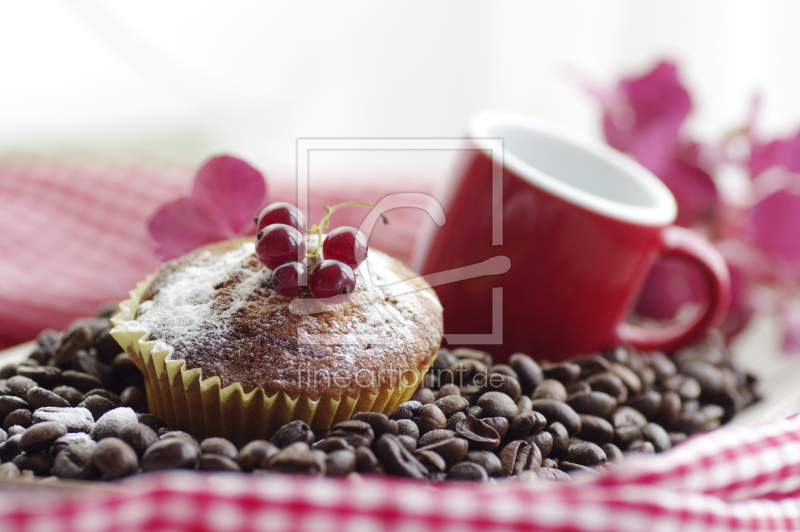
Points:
(324, 222)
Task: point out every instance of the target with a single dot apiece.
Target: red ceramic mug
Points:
(581, 224)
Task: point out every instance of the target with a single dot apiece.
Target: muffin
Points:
(224, 355)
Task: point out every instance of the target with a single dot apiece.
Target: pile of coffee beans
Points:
(76, 409)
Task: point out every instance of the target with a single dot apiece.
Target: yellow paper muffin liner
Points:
(188, 402)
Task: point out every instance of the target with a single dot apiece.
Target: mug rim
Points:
(663, 213)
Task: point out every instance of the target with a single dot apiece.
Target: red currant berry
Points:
(345, 244)
(332, 278)
(278, 244)
(282, 213)
(287, 278)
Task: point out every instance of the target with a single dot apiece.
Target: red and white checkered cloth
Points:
(733, 479)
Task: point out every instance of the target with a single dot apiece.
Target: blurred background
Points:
(100, 95)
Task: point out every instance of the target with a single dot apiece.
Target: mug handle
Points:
(686, 244)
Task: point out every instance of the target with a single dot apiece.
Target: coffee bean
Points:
(499, 424)
(708, 377)
(647, 402)
(478, 434)
(21, 417)
(256, 455)
(366, 461)
(122, 365)
(560, 437)
(670, 407)
(642, 446)
(397, 460)
(578, 387)
(154, 422)
(687, 387)
(557, 411)
(584, 453)
(219, 446)
(565, 372)
(435, 436)
(595, 429)
(628, 377)
(76, 339)
(689, 422)
(115, 459)
(39, 397)
(9, 403)
(408, 442)
(82, 382)
(10, 448)
(170, 453)
(451, 404)
(45, 376)
(613, 453)
(407, 427)
(41, 436)
(69, 394)
(3, 435)
(380, 423)
(523, 404)
(519, 456)
(39, 463)
(102, 392)
(97, 405)
(430, 418)
(455, 419)
(163, 435)
(133, 397)
(656, 435)
(712, 412)
(448, 390)
(609, 383)
(496, 404)
(407, 410)
(505, 384)
(216, 462)
(572, 468)
(628, 424)
(330, 444)
(467, 471)
(424, 396)
(662, 365)
(72, 438)
(9, 471)
(340, 463)
(140, 437)
(299, 458)
(20, 386)
(356, 433)
(474, 410)
(590, 364)
(75, 462)
(528, 371)
(8, 370)
(677, 437)
(593, 403)
(292, 432)
(87, 362)
(543, 440)
(526, 424)
(551, 474)
(14, 429)
(550, 389)
(452, 450)
(487, 460)
(111, 423)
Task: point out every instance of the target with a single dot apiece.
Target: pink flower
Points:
(227, 194)
(779, 152)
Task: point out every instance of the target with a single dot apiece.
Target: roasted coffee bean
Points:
(677, 437)
(496, 404)
(115, 459)
(75, 462)
(170, 453)
(9, 471)
(503, 369)
(590, 364)
(628, 424)
(140, 437)
(670, 407)
(712, 412)
(45, 376)
(21, 417)
(292, 432)
(111, 423)
(298, 458)
(122, 365)
(69, 394)
(524, 404)
(596, 429)
(39, 397)
(572, 468)
(448, 390)
(97, 405)
(584, 453)
(528, 371)
(429, 418)
(499, 424)
(102, 392)
(656, 435)
(380, 423)
(560, 437)
(41, 436)
(628, 377)
(519, 456)
(340, 463)
(408, 428)
(689, 422)
(487, 460)
(550, 389)
(497, 382)
(163, 435)
(474, 410)
(478, 434)
(613, 453)
(330, 444)
(152, 421)
(551, 474)
(685, 386)
(641, 446)
(220, 446)
(72, 438)
(356, 433)
(593, 403)
(87, 362)
(708, 377)
(662, 365)
(256, 455)
(432, 461)
(435, 436)
(133, 397)
(20, 386)
(407, 410)
(397, 460)
(609, 383)
(557, 411)
(692, 405)
(8, 370)
(647, 402)
(543, 440)
(444, 359)
(526, 424)
(14, 430)
(578, 387)
(455, 419)
(82, 382)
(39, 463)
(452, 450)
(424, 396)
(10, 448)
(466, 372)
(75, 339)
(216, 462)
(451, 404)
(565, 372)
(3, 435)
(408, 442)
(467, 471)
(76, 419)
(466, 353)
(9, 403)
(366, 461)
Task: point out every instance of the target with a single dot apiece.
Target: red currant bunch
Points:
(281, 247)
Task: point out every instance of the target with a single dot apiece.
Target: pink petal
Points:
(741, 310)
(790, 320)
(231, 192)
(178, 228)
(781, 152)
(671, 284)
(775, 226)
(693, 188)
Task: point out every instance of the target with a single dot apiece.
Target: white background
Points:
(180, 80)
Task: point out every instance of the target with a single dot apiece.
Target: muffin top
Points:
(214, 309)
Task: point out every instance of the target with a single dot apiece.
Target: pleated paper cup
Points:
(201, 406)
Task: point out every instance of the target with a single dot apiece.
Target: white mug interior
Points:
(584, 172)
